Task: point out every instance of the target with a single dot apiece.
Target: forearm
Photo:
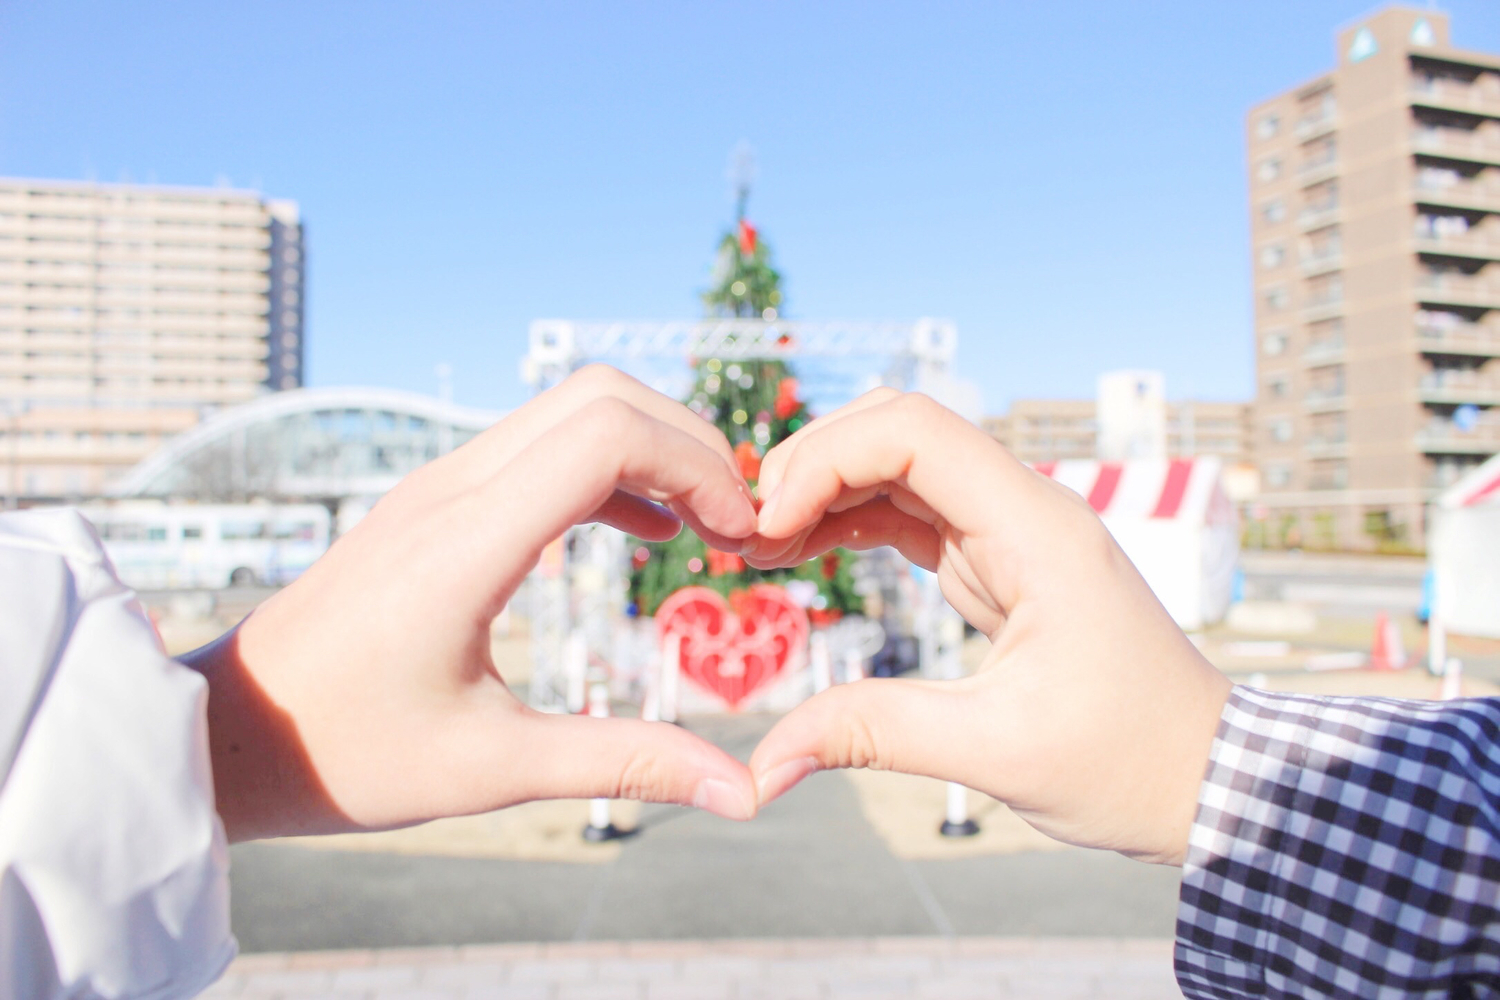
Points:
(1344, 847)
(265, 785)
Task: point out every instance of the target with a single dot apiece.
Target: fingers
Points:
(571, 470)
(947, 462)
(575, 757)
(471, 465)
(870, 525)
(774, 463)
(912, 726)
(637, 516)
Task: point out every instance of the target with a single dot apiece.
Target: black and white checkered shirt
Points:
(1345, 847)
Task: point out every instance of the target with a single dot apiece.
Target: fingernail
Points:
(768, 509)
(783, 776)
(721, 799)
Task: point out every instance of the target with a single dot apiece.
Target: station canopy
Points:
(321, 445)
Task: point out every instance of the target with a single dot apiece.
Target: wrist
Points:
(265, 785)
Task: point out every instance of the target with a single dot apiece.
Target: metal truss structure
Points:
(901, 355)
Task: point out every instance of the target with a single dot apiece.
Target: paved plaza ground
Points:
(820, 969)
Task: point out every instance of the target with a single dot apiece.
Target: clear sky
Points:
(1063, 179)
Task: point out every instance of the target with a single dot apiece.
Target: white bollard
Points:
(575, 670)
(819, 662)
(601, 827)
(1437, 643)
(651, 697)
(671, 670)
(1453, 679)
(956, 821)
(854, 667)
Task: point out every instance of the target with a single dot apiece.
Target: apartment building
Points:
(1051, 430)
(127, 313)
(1375, 222)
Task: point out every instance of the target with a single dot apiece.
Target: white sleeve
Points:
(114, 869)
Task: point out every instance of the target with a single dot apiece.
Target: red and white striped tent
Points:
(1463, 550)
(1173, 520)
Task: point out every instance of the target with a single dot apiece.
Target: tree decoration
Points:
(756, 402)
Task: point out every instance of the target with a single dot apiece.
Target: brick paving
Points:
(911, 968)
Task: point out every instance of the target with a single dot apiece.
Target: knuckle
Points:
(599, 379)
(856, 744)
(920, 406)
(882, 394)
(606, 413)
(643, 778)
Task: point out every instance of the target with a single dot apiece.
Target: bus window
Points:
(116, 531)
(235, 531)
(156, 533)
(192, 532)
(303, 531)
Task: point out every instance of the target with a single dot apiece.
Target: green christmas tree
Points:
(756, 403)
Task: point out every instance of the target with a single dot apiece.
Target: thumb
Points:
(912, 726)
(576, 757)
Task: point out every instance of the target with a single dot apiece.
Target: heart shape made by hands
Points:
(733, 652)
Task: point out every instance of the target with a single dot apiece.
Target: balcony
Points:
(1325, 400)
(1317, 171)
(1459, 289)
(1458, 395)
(1463, 194)
(1314, 126)
(1322, 263)
(1458, 386)
(1445, 439)
(1335, 446)
(1478, 244)
(1323, 307)
(1323, 352)
(1479, 146)
(1316, 217)
(1453, 95)
(1473, 339)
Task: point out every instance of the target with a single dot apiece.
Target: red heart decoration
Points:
(729, 654)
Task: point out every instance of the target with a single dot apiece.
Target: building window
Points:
(1280, 430)
(1277, 298)
(1273, 211)
(1269, 170)
(1277, 387)
(1267, 127)
(1272, 255)
(1278, 476)
(1274, 344)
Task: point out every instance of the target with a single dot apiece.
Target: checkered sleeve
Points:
(1345, 847)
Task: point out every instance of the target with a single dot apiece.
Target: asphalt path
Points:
(808, 866)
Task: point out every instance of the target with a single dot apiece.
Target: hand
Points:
(1093, 714)
(363, 695)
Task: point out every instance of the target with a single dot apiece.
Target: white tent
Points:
(1463, 551)
(1175, 523)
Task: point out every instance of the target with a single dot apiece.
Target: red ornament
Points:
(787, 402)
(724, 563)
(734, 653)
(749, 458)
(747, 238)
(824, 617)
(830, 565)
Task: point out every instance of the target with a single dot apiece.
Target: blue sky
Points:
(1064, 180)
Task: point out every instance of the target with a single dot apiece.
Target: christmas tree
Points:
(756, 403)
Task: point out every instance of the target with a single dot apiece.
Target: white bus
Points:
(170, 546)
